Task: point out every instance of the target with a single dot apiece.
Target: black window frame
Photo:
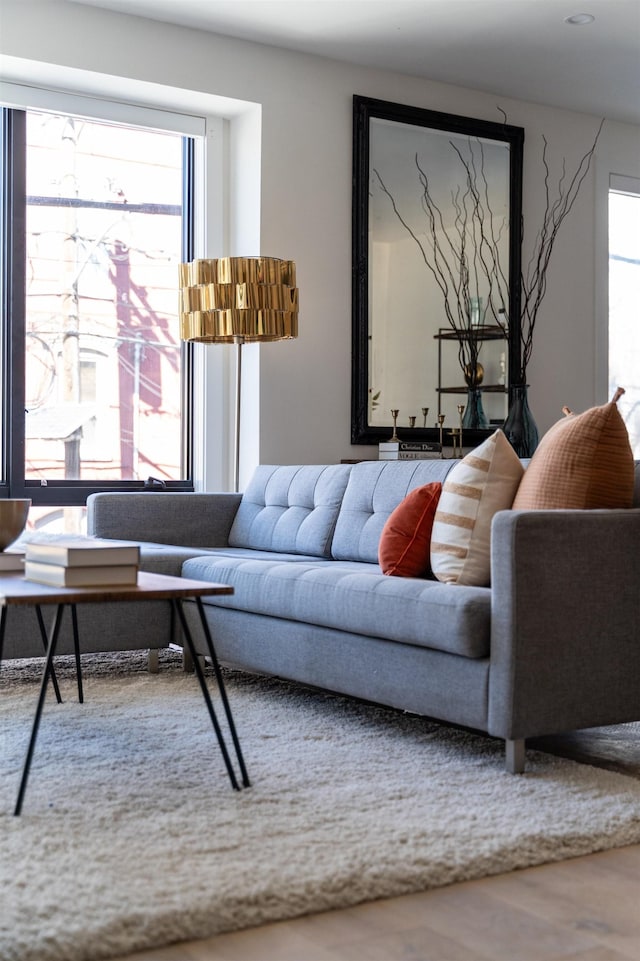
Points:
(13, 210)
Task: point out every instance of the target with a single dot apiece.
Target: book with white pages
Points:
(82, 552)
(11, 561)
(57, 575)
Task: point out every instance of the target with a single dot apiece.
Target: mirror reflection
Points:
(434, 255)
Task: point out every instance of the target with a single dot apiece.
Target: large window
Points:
(96, 217)
(624, 303)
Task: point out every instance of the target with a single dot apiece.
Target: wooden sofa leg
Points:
(153, 663)
(515, 756)
(187, 661)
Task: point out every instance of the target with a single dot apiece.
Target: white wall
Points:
(306, 195)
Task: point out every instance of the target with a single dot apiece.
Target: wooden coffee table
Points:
(15, 591)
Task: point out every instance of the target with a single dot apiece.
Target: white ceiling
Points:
(516, 48)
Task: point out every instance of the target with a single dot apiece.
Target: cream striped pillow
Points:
(484, 482)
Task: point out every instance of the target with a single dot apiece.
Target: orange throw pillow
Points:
(583, 462)
(405, 542)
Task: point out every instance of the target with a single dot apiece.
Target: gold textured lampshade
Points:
(238, 299)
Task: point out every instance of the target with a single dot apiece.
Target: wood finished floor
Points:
(584, 909)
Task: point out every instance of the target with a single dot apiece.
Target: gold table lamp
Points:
(238, 300)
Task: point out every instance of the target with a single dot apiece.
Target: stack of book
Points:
(82, 562)
(408, 450)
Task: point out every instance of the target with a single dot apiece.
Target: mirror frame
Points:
(364, 109)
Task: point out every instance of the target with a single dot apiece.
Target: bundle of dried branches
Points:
(464, 257)
(533, 282)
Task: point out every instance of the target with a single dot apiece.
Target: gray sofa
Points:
(553, 645)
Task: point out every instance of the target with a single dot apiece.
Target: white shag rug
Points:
(131, 836)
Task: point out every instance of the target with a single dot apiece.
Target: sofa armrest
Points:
(565, 636)
(187, 519)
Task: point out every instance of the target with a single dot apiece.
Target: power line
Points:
(174, 210)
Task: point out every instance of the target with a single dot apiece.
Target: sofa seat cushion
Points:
(169, 558)
(355, 597)
(290, 509)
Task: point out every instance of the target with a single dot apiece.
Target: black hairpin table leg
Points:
(51, 649)
(45, 642)
(223, 691)
(76, 648)
(207, 697)
(3, 622)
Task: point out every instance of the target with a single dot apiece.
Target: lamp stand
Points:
(238, 341)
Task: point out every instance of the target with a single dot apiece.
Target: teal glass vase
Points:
(474, 415)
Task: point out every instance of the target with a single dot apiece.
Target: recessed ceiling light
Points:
(578, 19)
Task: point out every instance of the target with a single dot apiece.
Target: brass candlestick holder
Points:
(455, 434)
(394, 414)
(412, 420)
(441, 426)
(425, 411)
(460, 413)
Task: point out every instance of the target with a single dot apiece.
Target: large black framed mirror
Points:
(437, 211)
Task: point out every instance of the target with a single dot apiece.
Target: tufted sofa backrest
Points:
(374, 490)
(335, 510)
(291, 509)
